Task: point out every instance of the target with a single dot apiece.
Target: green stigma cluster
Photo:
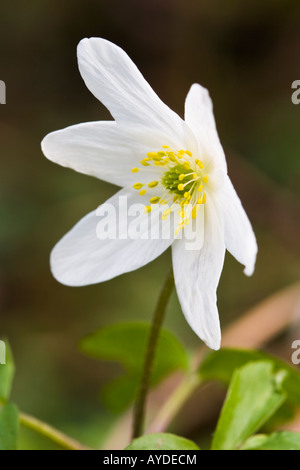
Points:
(183, 177)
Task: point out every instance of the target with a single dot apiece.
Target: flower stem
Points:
(51, 433)
(159, 313)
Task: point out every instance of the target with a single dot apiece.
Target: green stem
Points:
(159, 313)
(48, 431)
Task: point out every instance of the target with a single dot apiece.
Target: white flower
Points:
(176, 166)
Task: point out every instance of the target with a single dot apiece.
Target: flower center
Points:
(181, 184)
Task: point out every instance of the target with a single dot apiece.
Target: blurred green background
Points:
(247, 54)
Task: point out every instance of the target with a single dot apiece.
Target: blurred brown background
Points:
(247, 54)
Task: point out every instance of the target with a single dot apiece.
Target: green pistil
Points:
(171, 179)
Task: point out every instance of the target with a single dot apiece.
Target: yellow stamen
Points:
(204, 198)
(195, 211)
(181, 177)
(167, 212)
(180, 187)
(205, 178)
(147, 209)
(154, 200)
(153, 184)
(199, 163)
(134, 170)
(138, 185)
(142, 192)
(188, 153)
(200, 188)
(165, 146)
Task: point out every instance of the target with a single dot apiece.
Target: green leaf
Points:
(126, 343)
(254, 395)
(220, 365)
(284, 440)
(162, 441)
(7, 372)
(9, 425)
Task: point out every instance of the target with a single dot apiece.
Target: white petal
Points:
(95, 148)
(115, 80)
(200, 118)
(197, 273)
(240, 240)
(107, 243)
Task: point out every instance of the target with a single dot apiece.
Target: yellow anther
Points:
(144, 162)
(200, 187)
(142, 192)
(199, 163)
(180, 187)
(195, 211)
(134, 170)
(161, 153)
(153, 184)
(187, 165)
(204, 198)
(200, 200)
(205, 178)
(167, 212)
(147, 209)
(195, 176)
(181, 177)
(188, 153)
(181, 152)
(182, 214)
(171, 156)
(165, 146)
(138, 185)
(154, 200)
(151, 154)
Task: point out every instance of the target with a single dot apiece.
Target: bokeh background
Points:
(247, 53)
